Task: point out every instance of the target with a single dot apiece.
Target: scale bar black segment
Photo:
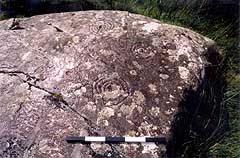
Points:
(115, 140)
(160, 140)
(75, 140)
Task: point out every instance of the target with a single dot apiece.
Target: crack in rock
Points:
(58, 100)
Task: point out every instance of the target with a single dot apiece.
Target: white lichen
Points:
(155, 111)
(153, 88)
(164, 76)
(183, 72)
(75, 39)
(150, 148)
(107, 112)
(151, 27)
(133, 72)
(139, 98)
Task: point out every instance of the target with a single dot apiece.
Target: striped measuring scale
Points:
(91, 139)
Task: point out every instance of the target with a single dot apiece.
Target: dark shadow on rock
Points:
(201, 120)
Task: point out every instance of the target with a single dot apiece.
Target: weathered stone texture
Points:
(126, 73)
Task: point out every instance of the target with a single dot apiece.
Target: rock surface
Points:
(107, 73)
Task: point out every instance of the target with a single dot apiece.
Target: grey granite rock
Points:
(107, 73)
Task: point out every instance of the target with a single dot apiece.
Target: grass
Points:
(210, 22)
(229, 146)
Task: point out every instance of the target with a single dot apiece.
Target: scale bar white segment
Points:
(95, 139)
(135, 139)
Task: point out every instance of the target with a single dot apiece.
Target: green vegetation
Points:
(218, 22)
(229, 146)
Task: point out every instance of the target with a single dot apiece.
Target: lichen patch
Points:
(133, 72)
(137, 65)
(75, 39)
(139, 98)
(106, 112)
(114, 93)
(151, 27)
(153, 89)
(150, 148)
(183, 72)
(164, 76)
(155, 111)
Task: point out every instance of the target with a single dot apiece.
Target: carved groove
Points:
(101, 26)
(141, 50)
(112, 89)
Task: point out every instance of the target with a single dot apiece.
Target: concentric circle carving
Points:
(101, 26)
(120, 45)
(141, 50)
(112, 89)
(11, 147)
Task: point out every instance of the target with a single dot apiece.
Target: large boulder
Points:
(100, 73)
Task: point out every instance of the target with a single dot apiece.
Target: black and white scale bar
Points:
(75, 140)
